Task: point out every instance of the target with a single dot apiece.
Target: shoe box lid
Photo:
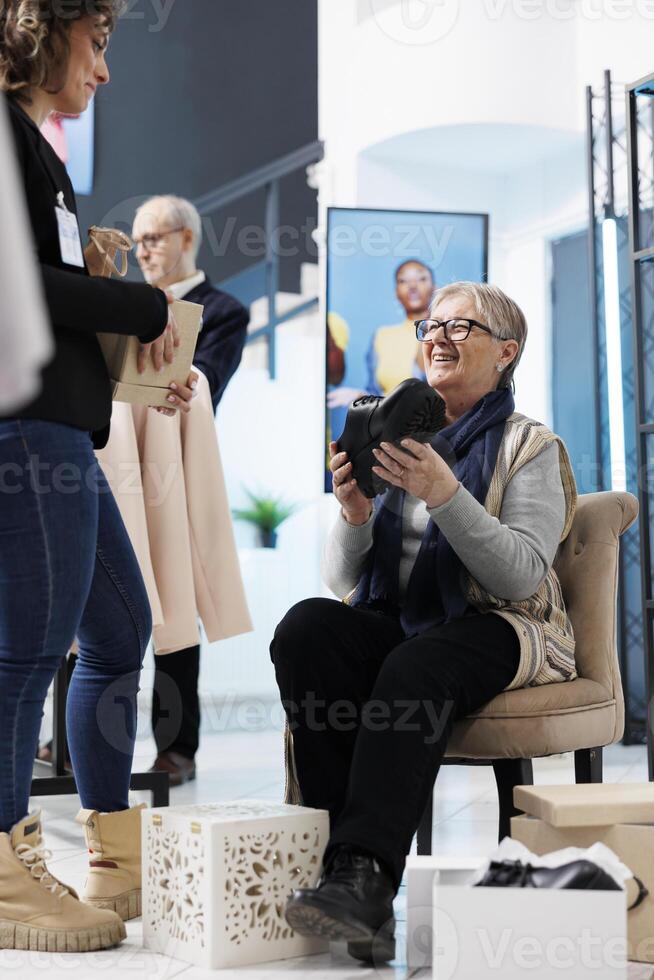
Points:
(588, 804)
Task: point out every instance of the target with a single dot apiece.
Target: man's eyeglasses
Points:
(151, 242)
(456, 330)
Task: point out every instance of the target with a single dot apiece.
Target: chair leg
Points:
(588, 765)
(425, 828)
(60, 694)
(508, 774)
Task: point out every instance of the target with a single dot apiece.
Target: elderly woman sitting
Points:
(453, 600)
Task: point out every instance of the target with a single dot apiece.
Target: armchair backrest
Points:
(587, 567)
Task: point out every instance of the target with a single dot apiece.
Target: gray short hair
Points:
(497, 310)
(180, 213)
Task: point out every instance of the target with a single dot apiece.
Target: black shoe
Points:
(580, 874)
(352, 901)
(412, 409)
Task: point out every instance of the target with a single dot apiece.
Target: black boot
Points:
(352, 901)
(412, 409)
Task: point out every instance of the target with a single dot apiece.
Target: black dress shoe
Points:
(352, 901)
(412, 409)
(580, 874)
(179, 768)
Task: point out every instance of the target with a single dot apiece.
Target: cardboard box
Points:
(588, 804)
(151, 387)
(577, 810)
(513, 933)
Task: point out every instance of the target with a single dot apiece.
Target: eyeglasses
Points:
(151, 242)
(456, 330)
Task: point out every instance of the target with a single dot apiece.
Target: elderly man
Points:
(168, 234)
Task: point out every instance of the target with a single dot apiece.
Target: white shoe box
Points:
(514, 933)
(420, 874)
(460, 932)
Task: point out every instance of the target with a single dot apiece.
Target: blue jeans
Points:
(67, 569)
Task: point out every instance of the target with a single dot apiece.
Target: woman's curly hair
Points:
(34, 39)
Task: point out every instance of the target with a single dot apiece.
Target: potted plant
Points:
(266, 513)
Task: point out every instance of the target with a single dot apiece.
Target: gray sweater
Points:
(509, 557)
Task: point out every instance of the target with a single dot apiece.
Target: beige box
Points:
(621, 816)
(588, 804)
(151, 387)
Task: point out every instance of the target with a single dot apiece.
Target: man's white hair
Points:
(179, 213)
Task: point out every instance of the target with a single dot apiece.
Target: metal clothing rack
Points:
(53, 778)
(640, 149)
(607, 162)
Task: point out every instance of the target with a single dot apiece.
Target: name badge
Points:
(69, 240)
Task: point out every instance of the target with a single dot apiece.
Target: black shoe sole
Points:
(363, 943)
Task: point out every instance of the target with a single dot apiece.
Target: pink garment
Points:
(167, 477)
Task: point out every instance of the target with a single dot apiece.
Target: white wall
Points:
(620, 39)
(379, 78)
(271, 436)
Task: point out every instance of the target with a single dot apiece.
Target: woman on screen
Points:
(394, 353)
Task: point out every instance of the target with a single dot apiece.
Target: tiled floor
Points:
(236, 765)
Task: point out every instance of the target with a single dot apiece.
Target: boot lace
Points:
(34, 859)
(366, 400)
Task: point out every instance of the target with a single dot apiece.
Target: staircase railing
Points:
(268, 177)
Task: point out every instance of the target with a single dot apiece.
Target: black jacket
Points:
(75, 384)
(222, 338)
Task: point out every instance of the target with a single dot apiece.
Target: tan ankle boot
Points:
(28, 831)
(114, 843)
(36, 910)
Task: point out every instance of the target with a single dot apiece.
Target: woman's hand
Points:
(163, 348)
(181, 396)
(356, 508)
(420, 471)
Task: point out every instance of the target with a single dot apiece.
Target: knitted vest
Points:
(544, 630)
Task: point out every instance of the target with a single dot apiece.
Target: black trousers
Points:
(175, 702)
(371, 712)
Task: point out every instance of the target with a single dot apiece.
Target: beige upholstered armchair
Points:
(579, 716)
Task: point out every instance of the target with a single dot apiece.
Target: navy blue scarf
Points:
(435, 591)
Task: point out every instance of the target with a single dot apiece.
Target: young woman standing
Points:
(67, 568)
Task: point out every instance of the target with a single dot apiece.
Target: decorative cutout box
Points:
(216, 878)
